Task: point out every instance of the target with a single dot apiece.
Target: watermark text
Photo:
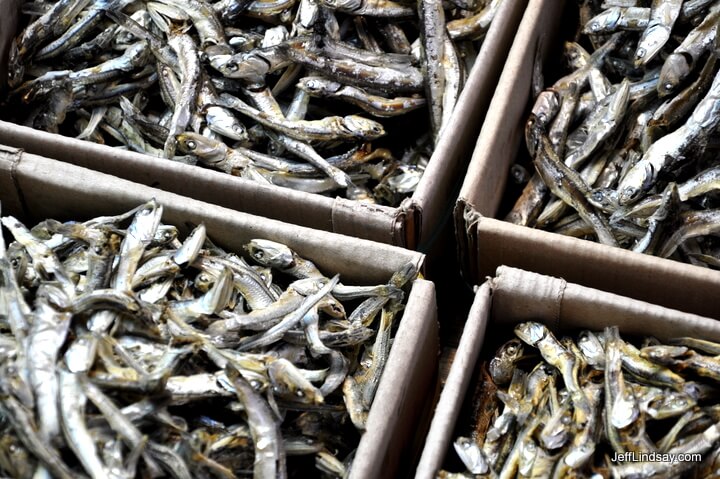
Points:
(665, 457)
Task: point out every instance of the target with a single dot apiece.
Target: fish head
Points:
(605, 21)
(676, 68)
(225, 123)
(318, 86)
(363, 128)
(531, 332)
(271, 254)
(190, 143)
(308, 286)
(471, 455)
(289, 383)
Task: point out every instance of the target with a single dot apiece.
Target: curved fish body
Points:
(686, 57)
(373, 104)
(186, 98)
(672, 149)
(370, 8)
(327, 129)
(663, 14)
(569, 187)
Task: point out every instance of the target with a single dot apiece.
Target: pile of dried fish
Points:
(625, 142)
(597, 407)
(125, 352)
(264, 89)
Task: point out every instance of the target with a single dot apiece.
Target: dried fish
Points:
(196, 359)
(232, 84)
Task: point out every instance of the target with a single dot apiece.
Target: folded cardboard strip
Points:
(514, 296)
(417, 217)
(35, 188)
(484, 243)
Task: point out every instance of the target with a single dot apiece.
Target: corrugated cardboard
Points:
(485, 243)
(35, 188)
(412, 224)
(514, 296)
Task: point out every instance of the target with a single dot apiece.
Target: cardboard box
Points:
(412, 224)
(514, 296)
(485, 242)
(34, 188)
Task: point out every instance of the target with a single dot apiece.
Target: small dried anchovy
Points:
(276, 91)
(624, 143)
(125, 352)
(596, 406)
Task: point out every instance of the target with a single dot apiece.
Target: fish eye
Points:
(300, 394)
(255, 384)
(258, 255)
(191, 145)
(232, 66)
(595, 26)
(640, 53)
(15, 262)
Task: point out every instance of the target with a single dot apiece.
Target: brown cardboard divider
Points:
(8, 24)
(484, 243)
(392, 419)
(514, 296)
(35, 188)
(417, 218)
(648, 278)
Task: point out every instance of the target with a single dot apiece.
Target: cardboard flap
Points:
(52, 189)
(355, 218)
(409, 374)
(453, 394)
(661, 281)
(521, 296)
(203, 183)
